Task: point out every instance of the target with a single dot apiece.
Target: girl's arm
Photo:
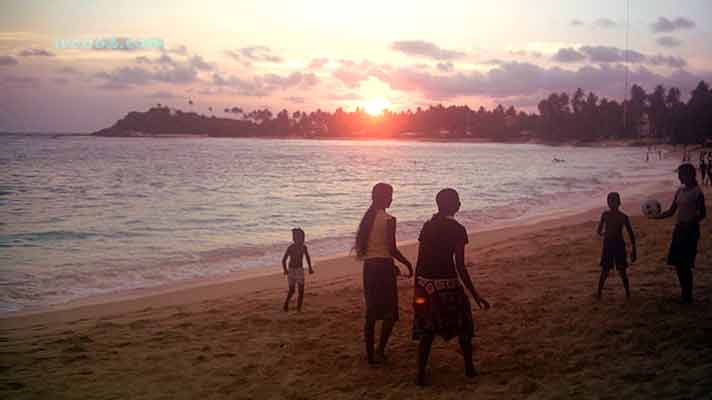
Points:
(599, 230)
(395, 253)
(465, 276)
(306, 254)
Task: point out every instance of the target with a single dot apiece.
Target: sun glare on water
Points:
(376, 106)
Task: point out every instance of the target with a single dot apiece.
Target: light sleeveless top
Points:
(687, 204)
(378, 237)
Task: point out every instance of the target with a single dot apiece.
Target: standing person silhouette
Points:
(376, 246)
(689, 204)
(440, 304)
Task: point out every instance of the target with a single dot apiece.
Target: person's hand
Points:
(633, 256)
(482, 303)
(397, 270)
(285, 272)
(311, 271)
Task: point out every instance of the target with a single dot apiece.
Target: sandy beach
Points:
(546, 336)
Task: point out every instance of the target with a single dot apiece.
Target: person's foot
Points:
(471, 372)
(381, 356)
(373, 360)
(420, 379)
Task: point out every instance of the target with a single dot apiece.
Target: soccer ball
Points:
(650, 208)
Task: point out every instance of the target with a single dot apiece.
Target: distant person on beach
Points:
(703, 168)
(376, 246)
(441, 307)
(295, 274)
(613, 254)
(689, 203)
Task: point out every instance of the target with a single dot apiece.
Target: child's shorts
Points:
(295, 276)
(614, 255)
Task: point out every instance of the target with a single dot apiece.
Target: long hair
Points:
(688, 170)
(448, 202)
(380, 192)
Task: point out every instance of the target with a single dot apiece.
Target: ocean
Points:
(86, 216)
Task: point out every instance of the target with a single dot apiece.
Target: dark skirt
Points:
(380, 289)
(614, 254)
(441, 308)
(683, 247)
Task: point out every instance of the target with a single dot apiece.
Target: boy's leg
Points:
(370, 338)
(682, 279)
(626, 284)
(466, 346)
(289, 297)
(686, 282)
(426, 343)
(300, 296)
(602, 281)
(386, 330)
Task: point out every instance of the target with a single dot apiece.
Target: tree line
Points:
(579, 116)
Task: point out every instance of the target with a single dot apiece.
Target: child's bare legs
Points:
(601, 282)
(386, 329)
(369, 336)
(426, 343)
(684, 275)
(300, 296)
(466, 346)
(626, 284)
(289, 297)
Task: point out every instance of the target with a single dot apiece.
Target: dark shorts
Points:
(614, 254)
(441, 308)
(380, 289)
(683, 247)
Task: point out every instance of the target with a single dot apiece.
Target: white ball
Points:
(651, 208)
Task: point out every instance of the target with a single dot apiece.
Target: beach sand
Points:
(546, 336)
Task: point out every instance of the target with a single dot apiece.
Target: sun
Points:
(376, 106)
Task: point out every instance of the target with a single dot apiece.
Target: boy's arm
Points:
(629, 228)
(284, 260)
(671, 211)
(465, 276)
(701, 207)
(306, 254)
(599, 230)
(394, 249)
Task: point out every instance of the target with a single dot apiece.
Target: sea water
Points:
(83, 216)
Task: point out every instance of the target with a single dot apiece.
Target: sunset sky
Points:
(327, 54)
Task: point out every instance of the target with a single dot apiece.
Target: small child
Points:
(689, 204)
(613, 254)
(295, 275)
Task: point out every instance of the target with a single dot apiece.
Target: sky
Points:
(308, 55)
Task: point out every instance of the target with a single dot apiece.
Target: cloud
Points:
(665, 25)
(668, 41)
(18, 82)
(181, 50)
(318, 63)
(605, 23)
(446, 66)
(263, 85)
(667, 61)
(344, 96)
(125, 77)
(609, 54)
(525, 79)
(421, 48)
(297, 99)
(6, 61)
(576, 22)
(249, 54)
(568, 55)
(35, 53)
(351, 74)
(162, 94)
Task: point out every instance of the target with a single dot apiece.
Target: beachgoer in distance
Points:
(441, 307)
(689, 204)
(703, 167)
(295, 274)
(376, 246)
(613, 254)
